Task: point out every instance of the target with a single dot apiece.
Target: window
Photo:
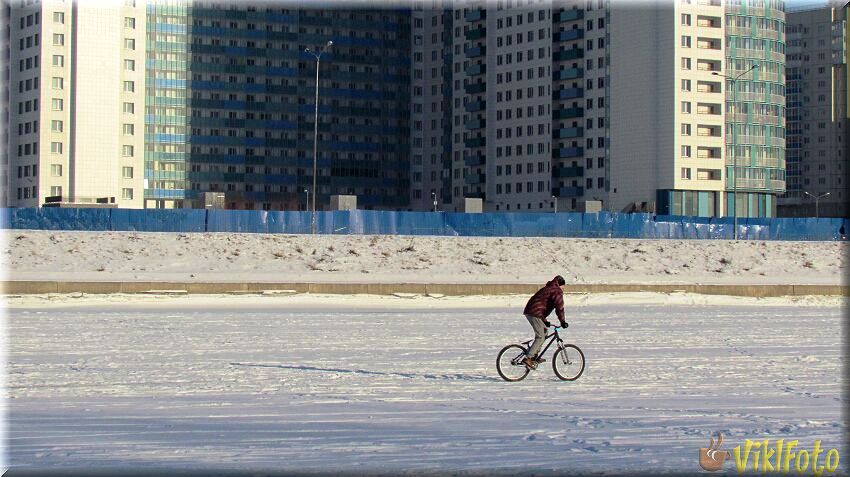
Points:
(58, 39)
(129, 86)
(56, 148)
(56, 126)
(56, 104)
(57, 83)
(130, 65)
(686, 63)
(686, 151)
(129, 108)
(686, 85)
(128, 129)
(58, 17)
(127, 172)
(686, 20)
(686, 129)
(58, 60)
(686, 107)
(129, 44)
(686, 173)
(127, 151)
(56, 170)
(129, 22)
(127, 194)
(56, 191)
(686, 41)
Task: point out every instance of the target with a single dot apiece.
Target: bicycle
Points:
(565, 361)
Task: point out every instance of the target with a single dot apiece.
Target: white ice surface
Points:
(327, 384)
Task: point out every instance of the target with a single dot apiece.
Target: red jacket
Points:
(545, 300)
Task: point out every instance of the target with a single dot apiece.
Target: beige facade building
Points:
(667, 108)
(76, 119)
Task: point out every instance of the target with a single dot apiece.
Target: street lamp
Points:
(306, 198)
(316, 131)
(555, 200)
(434, 198)
(735, 145)
(817, 200)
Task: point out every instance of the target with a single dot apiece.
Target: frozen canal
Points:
(359, 385)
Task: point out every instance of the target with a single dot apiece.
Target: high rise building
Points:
(252, 98)
(166, 104)
(76, 99)
(5, 38)
(153, 104)
(818, 161)
(554, 104)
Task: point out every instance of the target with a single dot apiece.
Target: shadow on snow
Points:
(447, 377)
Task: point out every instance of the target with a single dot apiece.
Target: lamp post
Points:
(434, 199)
(735, 146)
(817, 201)
(555, 200)
(318, 57)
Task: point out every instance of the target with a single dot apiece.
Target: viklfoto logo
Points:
(711, 458)
(763, 457)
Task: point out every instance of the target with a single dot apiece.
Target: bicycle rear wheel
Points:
(509, 363)
(568, 362)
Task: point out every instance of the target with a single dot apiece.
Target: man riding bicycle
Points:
(539, 306)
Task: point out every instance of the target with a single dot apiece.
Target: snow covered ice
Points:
(359, 384)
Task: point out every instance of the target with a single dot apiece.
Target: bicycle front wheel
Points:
(568, 362)
(509, 363)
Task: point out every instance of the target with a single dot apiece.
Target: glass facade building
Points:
(252, 99)
(755, 113)
(166, 107)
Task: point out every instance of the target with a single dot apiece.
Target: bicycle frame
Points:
(555, 337)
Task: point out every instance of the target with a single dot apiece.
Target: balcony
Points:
(476, 69)
(567, 172)
(472, 179)
(566, 192)
(474, 124)
(475, 142)
(708, 108)
(474, 160)
(708, 43)
(476, 33)
(568, 54)
(569, 15)
(476, 51)
(475, 88)
(569, 93)
(569, 35)
(566, 152)
(568, 74)
(475, 106)
(563, 133)
(566, 113)
(475, 15)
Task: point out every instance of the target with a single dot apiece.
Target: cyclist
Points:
(539, 306)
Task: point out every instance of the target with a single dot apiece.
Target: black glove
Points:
(564, 324)
(546, 323)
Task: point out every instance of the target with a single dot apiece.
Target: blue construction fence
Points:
(367, 222)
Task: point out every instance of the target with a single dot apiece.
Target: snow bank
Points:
(136, 256)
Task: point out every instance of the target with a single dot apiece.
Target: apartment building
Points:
(216, 97)
(76, 102)
(252, 98)
(5, 39)
(818, 158)
(554, 104)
